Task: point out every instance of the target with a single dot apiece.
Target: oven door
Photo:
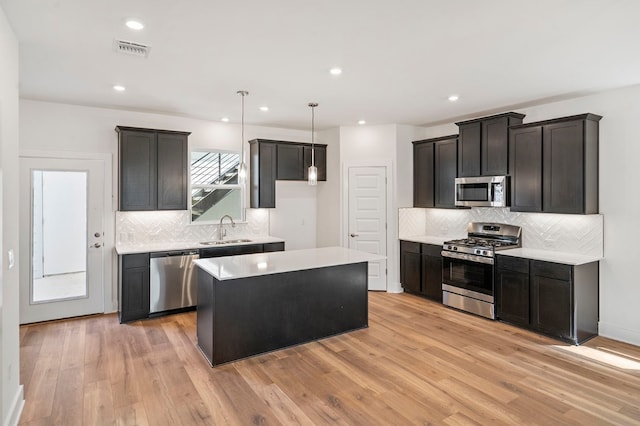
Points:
(467, 277)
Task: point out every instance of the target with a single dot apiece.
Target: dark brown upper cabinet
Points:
(483, 145)
(320, 161)
(526, 169)
(263, 172)
(423, 174)
(434, 172)
(290, 162)
(153, 169)
(272, 160)
(555, 165)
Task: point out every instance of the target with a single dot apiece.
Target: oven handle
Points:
(469, 257)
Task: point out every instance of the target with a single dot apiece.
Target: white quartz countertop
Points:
(550, 256)
(156, 246)
(250, 265)
(429, 239)
(528, 253)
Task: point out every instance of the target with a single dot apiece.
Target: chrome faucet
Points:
(221, 232)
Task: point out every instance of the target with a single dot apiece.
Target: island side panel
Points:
(264, 313)
(205, 314)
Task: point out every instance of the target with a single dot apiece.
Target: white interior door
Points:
(61, 210)
(368, 219)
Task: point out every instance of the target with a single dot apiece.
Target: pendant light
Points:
(313, 170)
(242, 168)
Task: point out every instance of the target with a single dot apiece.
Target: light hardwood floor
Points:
(417, 363)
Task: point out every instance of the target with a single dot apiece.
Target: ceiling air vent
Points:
(131, 48)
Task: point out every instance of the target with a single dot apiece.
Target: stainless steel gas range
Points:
(468, 266)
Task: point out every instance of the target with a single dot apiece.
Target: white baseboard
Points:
(613, 331)
(395, 288)
(16, 408)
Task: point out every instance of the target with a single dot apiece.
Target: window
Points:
(215, 190)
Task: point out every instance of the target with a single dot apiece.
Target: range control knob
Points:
(455, 249)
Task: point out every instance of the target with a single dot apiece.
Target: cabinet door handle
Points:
(354, 235)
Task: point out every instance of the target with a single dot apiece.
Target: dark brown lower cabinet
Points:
(432, 271)
(135, 276)
(134, 287)
(270, 247)
(554, 299)
(421, 269)
(512, 290)
(410, 268)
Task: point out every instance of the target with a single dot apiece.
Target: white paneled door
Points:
(62, 259)
(368, 219)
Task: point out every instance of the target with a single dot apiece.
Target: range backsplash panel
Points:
(175, 226)
(582, 234)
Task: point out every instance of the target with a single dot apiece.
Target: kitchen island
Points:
(256, 303)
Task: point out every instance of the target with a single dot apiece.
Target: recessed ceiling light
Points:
(225, 119)
(361, 122)
(335, 71)
(119, 88)
(134, 25)
(264, 108)
(454, 98)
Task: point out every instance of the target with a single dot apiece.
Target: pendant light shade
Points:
(312, 173)
(242, 168)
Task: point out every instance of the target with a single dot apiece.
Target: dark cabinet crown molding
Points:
(492, 117)
(440, 138)
(144, 129)
(587, 116)
(279, 142)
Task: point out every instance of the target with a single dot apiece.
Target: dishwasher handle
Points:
(174, 253)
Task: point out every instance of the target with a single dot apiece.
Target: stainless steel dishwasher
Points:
(173, 280)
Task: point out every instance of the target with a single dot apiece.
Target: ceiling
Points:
(401, 59)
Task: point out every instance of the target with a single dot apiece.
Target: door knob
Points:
(97, 235)
(354, 235)
(96, 245)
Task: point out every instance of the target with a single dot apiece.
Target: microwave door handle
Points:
(491, 192)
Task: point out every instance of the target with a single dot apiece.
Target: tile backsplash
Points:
(175, 226)
(582, 234)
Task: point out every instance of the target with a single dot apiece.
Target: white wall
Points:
(11, 396)
(328, 233)
(404, 154)
(53, 127)
(375, 146)
(619, 200)
(294, 217)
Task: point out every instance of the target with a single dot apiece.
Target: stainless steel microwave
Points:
(482, 191)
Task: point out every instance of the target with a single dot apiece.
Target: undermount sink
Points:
(223, 242)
